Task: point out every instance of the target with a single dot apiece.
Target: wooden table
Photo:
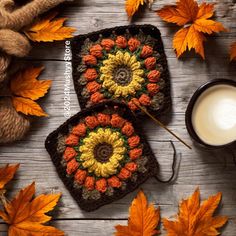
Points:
(212, 172)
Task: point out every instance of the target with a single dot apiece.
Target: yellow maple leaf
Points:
(26, 89)
(195, 219)
(143, 219)
(49, 29)
(7, 173)
(195, 21)
(233, 52)
(26, 216)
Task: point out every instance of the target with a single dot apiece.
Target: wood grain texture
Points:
(212, 171)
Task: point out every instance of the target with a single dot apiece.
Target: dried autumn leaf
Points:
(195, 219)
(131, 6)
(7, 173)
(26, 89)
(195, 22)
(143, 220)
(233, 52)
(27, 107)
(25, 84)
(49, 29)
(26, 216)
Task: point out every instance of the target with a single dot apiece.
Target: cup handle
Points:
(173, 167)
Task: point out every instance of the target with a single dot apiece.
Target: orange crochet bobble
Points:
(133, 44)
(114, 182)
(146, 51)
(72, 140)
(108, 44)
(134, 141)
(79, 130)
(96, 97)
(90, 74)
(153, 76)
(93, 86)
(150, 63)
(80, 176)
(90, 60)
(101, 185)
(72, 166)
(153, 88)
(117, 121)
(131, 166)
(135, 153)
(124, 174)
(96, 50)
(145, 100)
(121, 42)
(69, 153)
(104, 119)
(128, 129)
(89, 183)
(132, 103)
(91, 121)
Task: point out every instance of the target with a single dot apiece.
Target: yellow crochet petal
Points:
(126, 58)
(108, 70)
(119, 150)
(138, 72)
(93, 167)
(88, 163)
(119, 58)
(115, 158)
(135, 66)
(105, 77)
(108, 83)
(86, 156)
(132, 60)
(137, 79)
(118, 143)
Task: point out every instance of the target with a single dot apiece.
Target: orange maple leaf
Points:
(195, 21)
(233, 52)
(132, 6)
(7, 173)
(26, 216)
(49, 29)
(26, 89)
(143, 220)
(195, 219)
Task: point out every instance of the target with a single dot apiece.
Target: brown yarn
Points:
(14, 43)
(13, 125)
(25, 15)
(4, 63)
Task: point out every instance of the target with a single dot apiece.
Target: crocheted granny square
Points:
(101, 154)
(123, 63)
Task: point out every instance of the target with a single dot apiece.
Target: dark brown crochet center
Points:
(122, 75)
(103, 152)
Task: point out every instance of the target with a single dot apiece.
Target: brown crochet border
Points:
(90, 205)
(151, 30)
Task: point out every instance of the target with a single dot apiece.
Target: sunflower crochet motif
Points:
(101, 153)
(127, 68)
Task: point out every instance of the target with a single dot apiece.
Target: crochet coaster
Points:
(126, 63)
(101, 154)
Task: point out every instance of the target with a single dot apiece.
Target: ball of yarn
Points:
(13, 126)
(4, 63)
